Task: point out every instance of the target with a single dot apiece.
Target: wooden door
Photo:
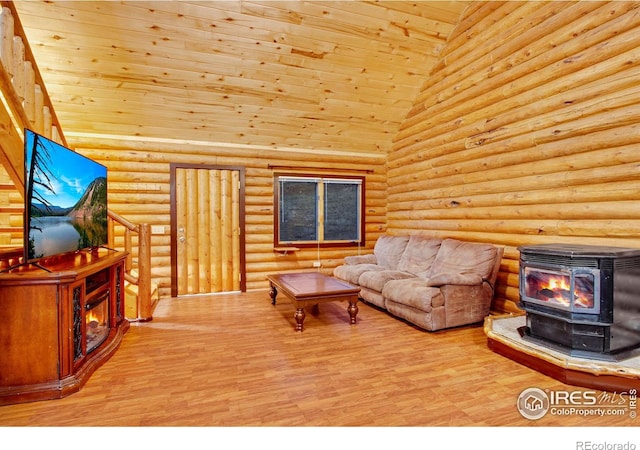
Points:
(207, 229)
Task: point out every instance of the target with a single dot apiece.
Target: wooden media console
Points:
(60, 321)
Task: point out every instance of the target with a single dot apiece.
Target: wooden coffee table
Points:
(312, 288)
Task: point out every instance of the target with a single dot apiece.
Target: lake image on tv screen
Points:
(66, 199)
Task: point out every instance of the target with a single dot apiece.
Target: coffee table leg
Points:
(299, 316)
(272, 293)
(353, 310)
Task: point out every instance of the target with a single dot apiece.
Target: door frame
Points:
(174, 219)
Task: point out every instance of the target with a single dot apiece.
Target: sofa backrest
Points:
(388, 250)
(467, 258)
(419, 255)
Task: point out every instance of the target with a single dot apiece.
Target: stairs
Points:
(131, 310)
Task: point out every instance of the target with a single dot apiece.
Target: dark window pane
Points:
(342, 208)
(298, 218)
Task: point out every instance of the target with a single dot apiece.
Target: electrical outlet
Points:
(317, 264)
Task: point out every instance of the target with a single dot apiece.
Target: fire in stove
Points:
(556, 288)
(97, 322)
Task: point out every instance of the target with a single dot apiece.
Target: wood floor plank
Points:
(235, 360)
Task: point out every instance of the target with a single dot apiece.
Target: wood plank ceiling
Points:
(328, 76)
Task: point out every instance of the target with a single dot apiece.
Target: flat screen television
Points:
(65, 200)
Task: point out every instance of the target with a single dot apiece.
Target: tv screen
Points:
(65, 199)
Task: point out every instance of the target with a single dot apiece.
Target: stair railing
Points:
(144, 304)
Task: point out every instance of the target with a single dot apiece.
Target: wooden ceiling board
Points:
(322, 75)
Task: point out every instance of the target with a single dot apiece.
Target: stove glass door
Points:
(97, 322)
(573, 289)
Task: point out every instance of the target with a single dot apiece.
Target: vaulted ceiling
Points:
(325, 75)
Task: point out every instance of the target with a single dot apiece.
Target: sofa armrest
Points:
(466, 304)
(360, 259)
(460, 279)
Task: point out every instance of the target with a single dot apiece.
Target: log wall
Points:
(139, 187)
(527, 132)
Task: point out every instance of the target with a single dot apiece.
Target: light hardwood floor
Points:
(235, 360)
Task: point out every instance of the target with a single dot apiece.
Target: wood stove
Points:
(582, 300)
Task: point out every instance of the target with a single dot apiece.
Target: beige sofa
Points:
(430, 282)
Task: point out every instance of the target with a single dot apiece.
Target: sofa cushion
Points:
(376, 279)
(413, 292)
(360, 259)
(465, 258)
(351, 273)
(419, 255)
(388, 250)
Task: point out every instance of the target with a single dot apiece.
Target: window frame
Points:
(320, 182)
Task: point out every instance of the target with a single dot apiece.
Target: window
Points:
(312, 210)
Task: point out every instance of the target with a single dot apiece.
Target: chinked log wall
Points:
(139, 186)
(527, 132)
